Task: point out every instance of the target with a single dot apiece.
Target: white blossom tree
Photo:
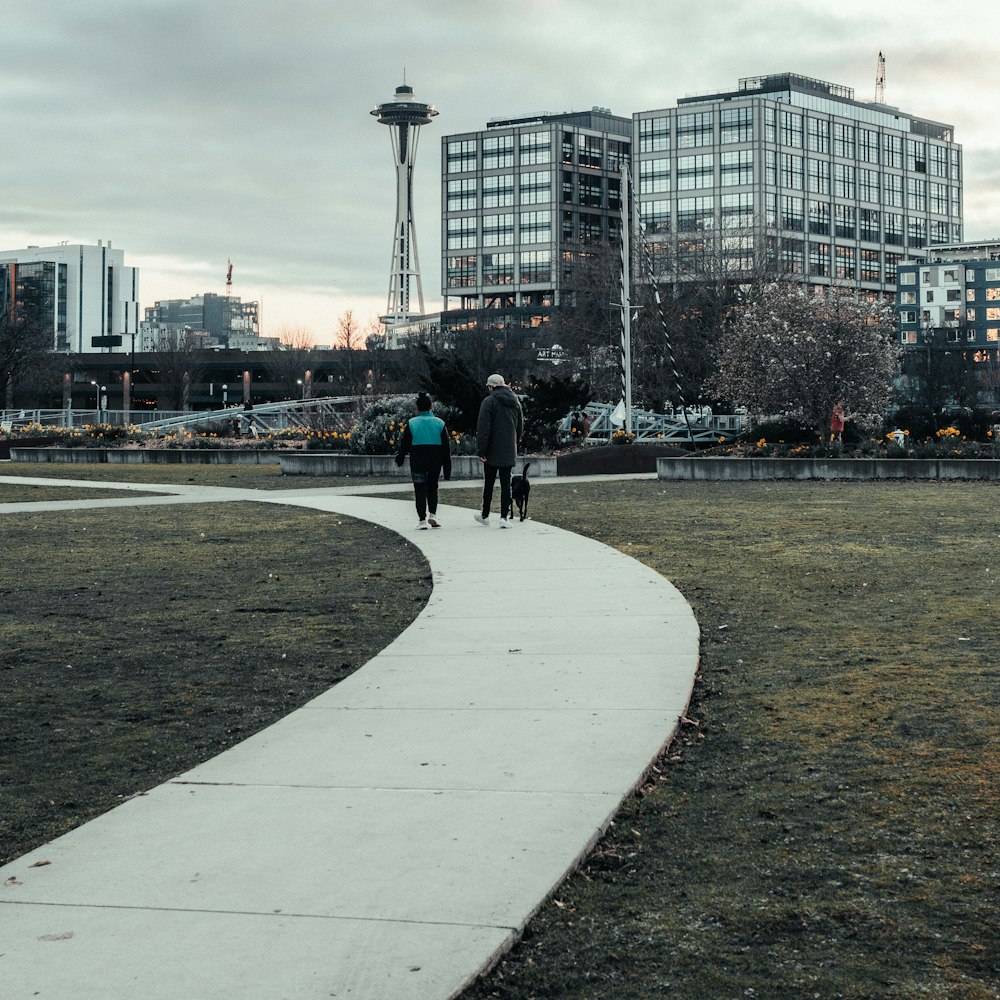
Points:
(792, 350)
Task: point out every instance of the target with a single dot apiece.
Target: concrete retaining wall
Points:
(146, 456)
(305, 463)
(720, 469)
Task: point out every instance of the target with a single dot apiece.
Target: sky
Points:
(191, 133)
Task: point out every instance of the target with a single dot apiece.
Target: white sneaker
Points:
(479, 519)
(504, 522)
(433, 521)
(422, 526)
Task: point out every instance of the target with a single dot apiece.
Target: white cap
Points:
(495, 380)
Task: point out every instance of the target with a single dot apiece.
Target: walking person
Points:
(425, 439)
(498, 431)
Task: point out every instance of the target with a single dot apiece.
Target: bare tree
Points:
(25, 343)
(179, 360)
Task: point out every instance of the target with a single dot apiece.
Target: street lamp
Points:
(299, 381)
(225, 395)
(101, 391)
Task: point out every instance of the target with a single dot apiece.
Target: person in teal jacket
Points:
(425, 439)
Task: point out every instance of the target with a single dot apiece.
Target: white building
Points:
(86, 292)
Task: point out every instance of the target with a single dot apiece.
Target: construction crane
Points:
(880, 80)
(229, 278)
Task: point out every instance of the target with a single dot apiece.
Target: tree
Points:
(794, 351)
(548, 401)
(181, 363)
(25, 343)
(450, 380)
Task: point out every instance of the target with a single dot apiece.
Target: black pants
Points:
(425, 491)
(491, 472)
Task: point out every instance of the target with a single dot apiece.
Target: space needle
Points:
(404, 114)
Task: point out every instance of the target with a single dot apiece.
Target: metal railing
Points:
(705, 426)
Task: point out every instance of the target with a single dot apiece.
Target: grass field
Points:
(826, 825)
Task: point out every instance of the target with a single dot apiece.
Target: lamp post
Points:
(299, 382)
(225, 395)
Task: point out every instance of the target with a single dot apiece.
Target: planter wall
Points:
(462, 466)
(722, 469)
(146, 456)
(6, 444)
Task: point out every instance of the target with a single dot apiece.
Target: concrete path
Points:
(393, 836)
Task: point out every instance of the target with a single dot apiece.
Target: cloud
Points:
(190, 130)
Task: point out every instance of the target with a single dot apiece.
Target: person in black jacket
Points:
(498, 431)
(425, 438)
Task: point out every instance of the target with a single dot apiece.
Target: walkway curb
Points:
(391, 838)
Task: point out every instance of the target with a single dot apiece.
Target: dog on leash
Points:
(520, 490)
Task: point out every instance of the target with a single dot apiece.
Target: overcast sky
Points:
(192, 132)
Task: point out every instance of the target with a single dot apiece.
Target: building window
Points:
(843, 140)
(938, 198)
(908, 316)
(654, 176)
(695, 213)
(992, 333)
(589, 149)
(498, 191)
(893, 229)
(736, 168)
(819, 218)
(929, 295)
(908, 298)
(819, 260)
(867, 145)
(461, 156)
(916, 156)
(916, 194)
(695, 130)
(846, 262)
(917, 232)
(791, 129)
(536, 187)
(736, 211)
(736, 125)
(893, 151)
(695, 172)
(909, 336)
(819, 176)
(993, 313)
(993, 274)
(498, 230)
(908, 278)
(536, 266)
(791, 172)
(770, 124)
(953, 294)
(655, 216)
(869, 228)
(535, 147)
(992, 294)
(892, 185)
(938, 161)
(591, 228)
(818, 135)
(461, 233)
(591, 191)
(536, 227)
(462, 194)
(843, 180)
(793, 258)
(654, 135)
(868, 185)
(498, 152)
(891, 266)
(461, 272)
(792, 215)
(845, 225)
(498, 269)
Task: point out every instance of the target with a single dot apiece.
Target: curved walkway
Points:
(394, 835)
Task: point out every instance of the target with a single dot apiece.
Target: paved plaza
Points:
(395, 834)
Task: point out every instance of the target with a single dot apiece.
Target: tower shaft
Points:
(404, 115)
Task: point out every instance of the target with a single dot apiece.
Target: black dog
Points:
(520, 490)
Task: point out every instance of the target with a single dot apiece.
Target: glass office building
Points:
(795, 171)
(520, 200)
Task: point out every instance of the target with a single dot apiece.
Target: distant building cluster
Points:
(798, 172)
